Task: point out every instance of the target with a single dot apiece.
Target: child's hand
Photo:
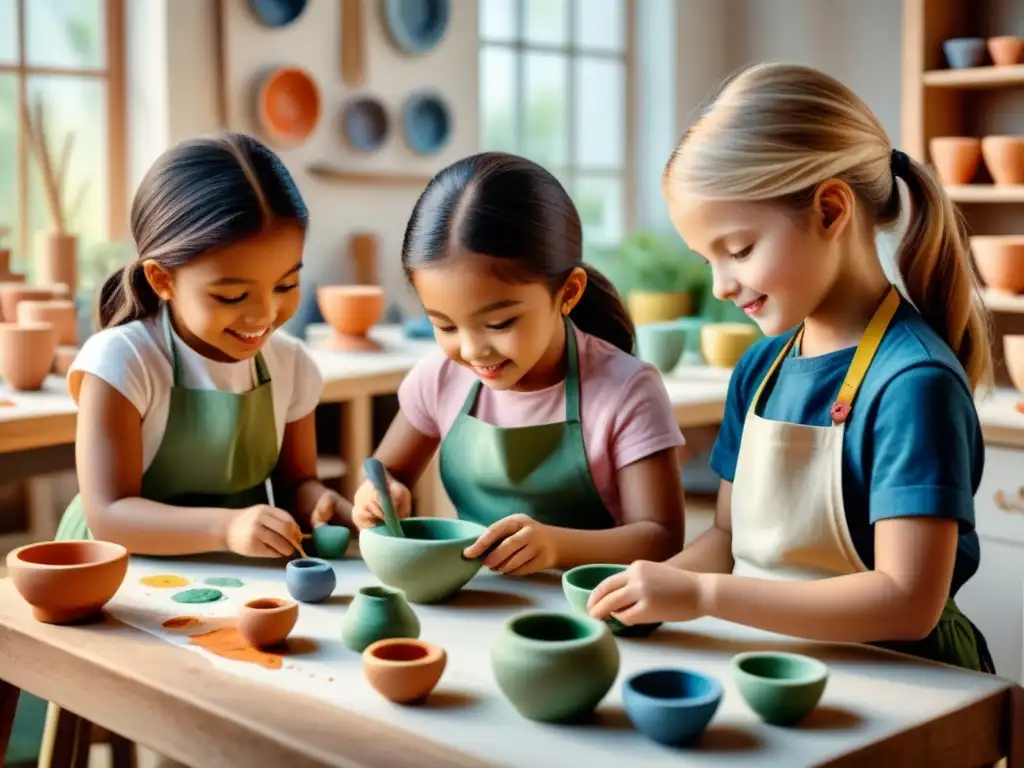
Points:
(329, 507)
(648, 592)
(366, 509)
(263, 531)
(521, 546)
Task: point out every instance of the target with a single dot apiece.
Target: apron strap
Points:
(572, 376)
(261, 371)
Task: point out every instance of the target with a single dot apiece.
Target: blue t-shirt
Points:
(913, 442)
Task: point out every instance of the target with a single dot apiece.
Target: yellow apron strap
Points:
(865, 353)
(782, 356)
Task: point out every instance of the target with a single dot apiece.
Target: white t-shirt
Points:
(134, 359)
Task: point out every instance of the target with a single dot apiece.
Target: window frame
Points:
(113, 75)
(571, 170)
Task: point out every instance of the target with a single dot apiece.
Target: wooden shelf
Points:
(985, 193)
(973, 78)
(1004, 302)
(373, 178)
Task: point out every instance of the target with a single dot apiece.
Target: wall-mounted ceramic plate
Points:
(364, 121)
(289, 104)
(426, 123)
(416, 26)
(277, 13)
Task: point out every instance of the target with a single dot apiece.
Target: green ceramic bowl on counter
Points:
(579, 582)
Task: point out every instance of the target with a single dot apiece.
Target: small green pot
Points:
(377, 613)
(782, 688)
(330, 542)
(661, 344)
(579, 582)
(554, 667)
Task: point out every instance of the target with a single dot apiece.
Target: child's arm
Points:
(405, 451)
(108, 455)
(711, 552)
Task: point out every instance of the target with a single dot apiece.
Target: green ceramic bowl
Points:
(579, 582)
(331, 541)
(782, 688)
(427, 564)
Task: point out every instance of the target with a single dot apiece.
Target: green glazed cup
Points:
(661, 344)
(579, 582)
(377, 613)
(330, 542)
(782, 688)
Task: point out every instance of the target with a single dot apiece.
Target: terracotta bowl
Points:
(403, 670)
(289, 104)
(267, 621)
(955, 158)
(67, 582)
(26, 354)
(723, 344)
(1004, 157)
(1013, 355)
(1000, 261)
(62, 313)
(1006, 50)
(13, 293)
(351, 310)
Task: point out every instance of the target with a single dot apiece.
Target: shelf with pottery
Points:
(976, 77)
(219, 655)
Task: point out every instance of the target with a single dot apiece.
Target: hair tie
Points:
(900, 162)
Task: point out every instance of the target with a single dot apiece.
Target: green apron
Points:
(542, 471)
(218, 449)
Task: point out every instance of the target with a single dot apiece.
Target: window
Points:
(67, 56)
(555, 87)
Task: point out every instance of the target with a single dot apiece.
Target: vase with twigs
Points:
(57, 248)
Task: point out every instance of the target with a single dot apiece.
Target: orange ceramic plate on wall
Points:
(289, 104)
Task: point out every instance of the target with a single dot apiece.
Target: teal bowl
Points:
(781, 688)
(579, 582)
(330, 542)
(671, 706)
(661, 344)
(426, 564)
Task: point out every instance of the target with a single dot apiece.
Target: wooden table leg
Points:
(356, 440)
(8, 706)
(68, 746)
(1015, 730)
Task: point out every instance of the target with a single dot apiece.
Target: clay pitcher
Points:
(57, 259)
(26, 354)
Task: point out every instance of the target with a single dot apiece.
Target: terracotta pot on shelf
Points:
(1006, 50)
(351, 310)
(61, 312)
(63, 358)
(12, 294)
(57, 259)
(955, 158)
(1004, 158)
(1000, 261)
(26, 354)
(1013, 356)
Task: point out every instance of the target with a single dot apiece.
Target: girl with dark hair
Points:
(551, 432)
(189, 402)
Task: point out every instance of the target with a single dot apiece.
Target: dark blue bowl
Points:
(310, 579)
(277, 13)
(426, 122)
(416, 26)
(366, 124)
(671, 706)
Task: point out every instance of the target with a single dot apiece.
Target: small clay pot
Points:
(351, 310)
(289, 104)
(330, 542)
(661, 344)
(964, 52)
(1006, 50)
(57, 259)
(1013, 358)
(26, 354)
(671, 706)
(579, 582)
(62, 313)
(723, 344)
(63, 359)
(12, 294)
(404, 670)
(1004, 157)
(646, 307)
(267, 621)
(310, 579)
(956, 158)
(1000, 261)
(781, 688)
(377, 613)
(67, 582)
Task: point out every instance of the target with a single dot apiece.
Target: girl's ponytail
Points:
(935, 264)
(601, 313)
(126, 296)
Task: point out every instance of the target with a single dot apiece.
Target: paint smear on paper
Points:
(203, 595)
(164, 581)
(181, 622)
(5, 403)
(223, 581)
(229, 643)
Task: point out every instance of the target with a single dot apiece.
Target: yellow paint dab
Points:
(164, 581)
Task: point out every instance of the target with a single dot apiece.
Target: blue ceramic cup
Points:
(671, 706)
(309, 579)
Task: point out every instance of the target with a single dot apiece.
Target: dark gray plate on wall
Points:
(416, 26)
(364, 121)
(277, 13)
(426, 123)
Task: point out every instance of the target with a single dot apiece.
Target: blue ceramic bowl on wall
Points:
(426, 123)
(416, 26)
(277, 13)
(365, 124)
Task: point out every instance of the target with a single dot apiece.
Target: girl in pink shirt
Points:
(551, 433)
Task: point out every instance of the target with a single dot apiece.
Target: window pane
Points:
(599, 113)
(72, 105)
(8, 32)
(547, 22)
(498, 98)
(600, 24)
(9, 165)
(599, 200)
(545, 130)
(498, 19)
(65, 33)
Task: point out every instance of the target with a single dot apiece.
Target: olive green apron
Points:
(542, 471)
(218, 449)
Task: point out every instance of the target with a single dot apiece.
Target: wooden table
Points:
(879, 708)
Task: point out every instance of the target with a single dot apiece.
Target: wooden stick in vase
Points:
(37, 141)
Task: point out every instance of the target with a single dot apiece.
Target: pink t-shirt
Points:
(625, 410)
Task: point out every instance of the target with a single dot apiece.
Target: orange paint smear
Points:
(4, 403)
(227, 642)
(1020, 406)
(164, 581)
(181, 622)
